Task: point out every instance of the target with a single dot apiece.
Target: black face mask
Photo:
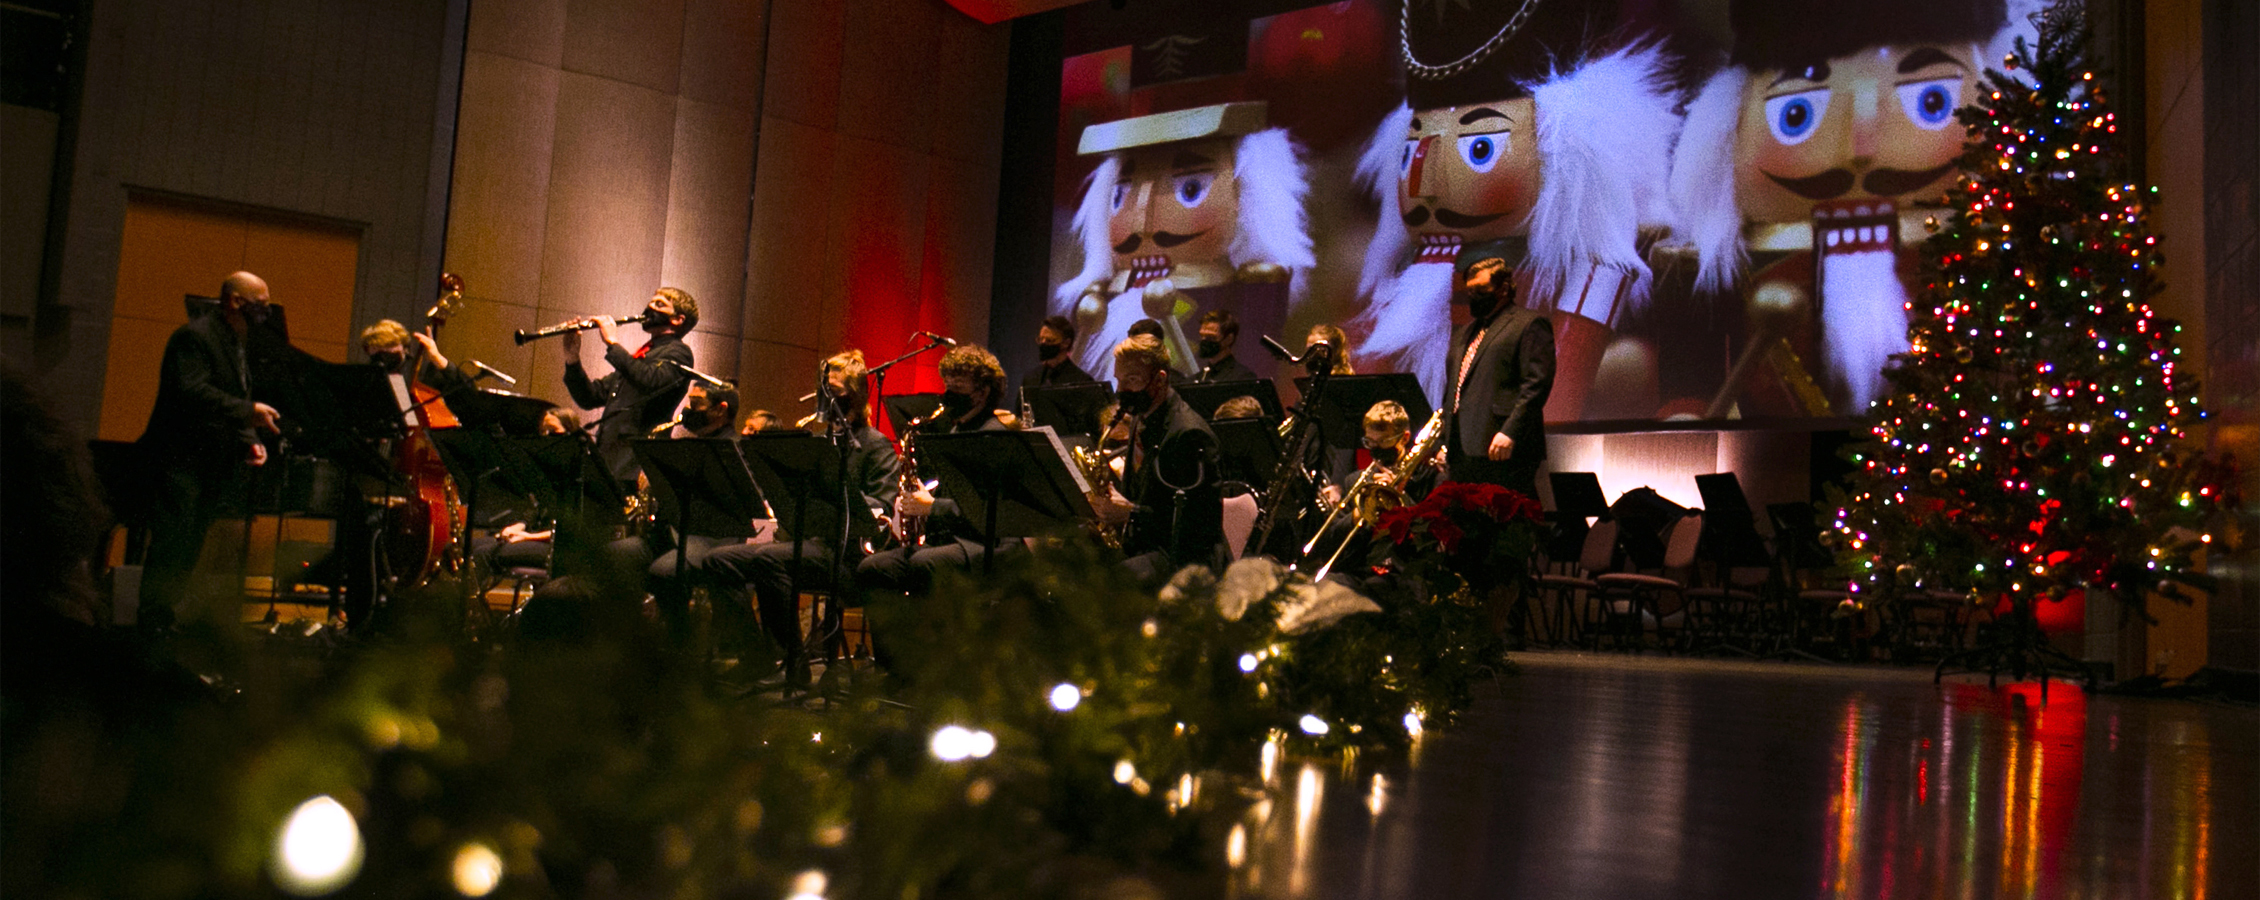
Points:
(697, 419)
(1482, 303)
(1049, 352)
(1209, 349)
(391, 360)
(1386, 456)
(1134, 403)
(957, 404)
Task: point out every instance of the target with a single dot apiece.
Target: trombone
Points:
(1365, 496)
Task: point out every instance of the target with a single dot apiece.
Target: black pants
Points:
(190, 494)
(1513, 474)
(768, 570)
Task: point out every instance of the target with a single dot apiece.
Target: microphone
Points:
(710, 380)
(938, 338)
(492, 372)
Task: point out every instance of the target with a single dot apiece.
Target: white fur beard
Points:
(1409, 322)
(1864, 320)
(1122, 311)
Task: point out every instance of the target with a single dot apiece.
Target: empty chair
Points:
(1660, 600)
(1575, 594)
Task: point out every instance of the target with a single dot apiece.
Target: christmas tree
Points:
(2030, 441)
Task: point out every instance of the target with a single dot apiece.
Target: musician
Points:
(1220, 332)
(387, 345)
(1172, 499)
(1055, 360)
(760, 420)
(1245, 406)
(642, 390)
(1333, 335)
(202, 436)
(872, 468)
(971, 380)
(1387, 438)
(1500, 372)
(708, 410)
(520, 545)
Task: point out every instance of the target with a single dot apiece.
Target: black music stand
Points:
(903, 409)
(491, 409)
(1577, 497)
(1730, 532)
(1204, 398)
(1016, 483)
(704, 484)
(1341, 411)
(1247, 449)
(1069, 409)
(803, 476)
(583, 498)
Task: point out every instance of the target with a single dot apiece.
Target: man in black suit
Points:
(1172, 498)
(1498, 375)
(202, 436)
(1055, 357)
(1220, 332)
(645, 385)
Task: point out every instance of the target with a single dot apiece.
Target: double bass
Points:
(425, 521)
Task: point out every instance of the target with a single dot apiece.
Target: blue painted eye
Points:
(1192, 189)
(1793, 117)
(1404, 165)
(1121, 194)
(1930, 104)
(1482, 151)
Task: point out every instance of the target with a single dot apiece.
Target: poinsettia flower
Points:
(1447, 534)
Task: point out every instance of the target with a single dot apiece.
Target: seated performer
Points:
(1171, 501)
(387, 345)
(1388, 437)
(520, 545)
(1220, 333)
(971, 382)
(1240, 407)
(1055, 356)
(872, 467)
(760, 420)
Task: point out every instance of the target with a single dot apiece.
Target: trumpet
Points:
(583, 324)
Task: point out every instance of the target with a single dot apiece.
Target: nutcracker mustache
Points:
(1162, 239)
(1835, 183)
(1419, 215)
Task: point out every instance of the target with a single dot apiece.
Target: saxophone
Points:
(909, 529)
(1098, 471)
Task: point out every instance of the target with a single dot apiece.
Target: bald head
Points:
(242, 288)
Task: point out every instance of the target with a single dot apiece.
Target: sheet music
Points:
(1081, 486)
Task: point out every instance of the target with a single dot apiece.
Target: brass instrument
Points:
(1368, 497)
(638, 514)
(582, 324)
(1099, 472)
(909, 529)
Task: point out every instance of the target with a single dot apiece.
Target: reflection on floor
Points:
(1627, 777)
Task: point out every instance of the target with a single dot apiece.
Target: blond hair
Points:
(1341, 341)
(386, 333)
(1142, 349)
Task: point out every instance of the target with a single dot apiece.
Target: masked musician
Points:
(203, 435)
(387, 344)
(643, 388)
(521, 545)
(1219, 336)
(972, 380)
(766, 568)
(1172, 497)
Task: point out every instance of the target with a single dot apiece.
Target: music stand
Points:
(1730, 531)
(1247, 449)
(1643, 516)
(1341, 411)
(1204, 398)
(1069, 409)
(485, 408)
(1577, 497)
(704, 483)
(902, 409)
(584, 499)
(1017, 483)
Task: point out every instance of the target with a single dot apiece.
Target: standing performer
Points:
(1501, 371)
(202, 434)
(641, 393)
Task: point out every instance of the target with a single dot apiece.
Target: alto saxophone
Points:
(907, 528)
(1098, 471)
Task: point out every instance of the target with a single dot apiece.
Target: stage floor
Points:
(1620, 777)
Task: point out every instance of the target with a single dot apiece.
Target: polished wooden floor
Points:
(1613, 776)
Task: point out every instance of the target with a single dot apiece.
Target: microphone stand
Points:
(878, 373)
(1319, 362)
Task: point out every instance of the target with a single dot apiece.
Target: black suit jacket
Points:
(203, 412)
(1506, 389)
(639, 395)
(1180, 452)
(1230, 368)
(1066, 372)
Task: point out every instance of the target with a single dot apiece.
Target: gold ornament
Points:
(1963, 355)
(1938, 476)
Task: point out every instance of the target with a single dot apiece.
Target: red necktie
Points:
(1467, 361)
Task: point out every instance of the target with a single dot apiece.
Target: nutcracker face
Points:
(1174, 204)
(1470, 171)
(1874, 124)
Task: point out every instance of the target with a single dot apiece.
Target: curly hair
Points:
(978, 365)
(386, 333)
